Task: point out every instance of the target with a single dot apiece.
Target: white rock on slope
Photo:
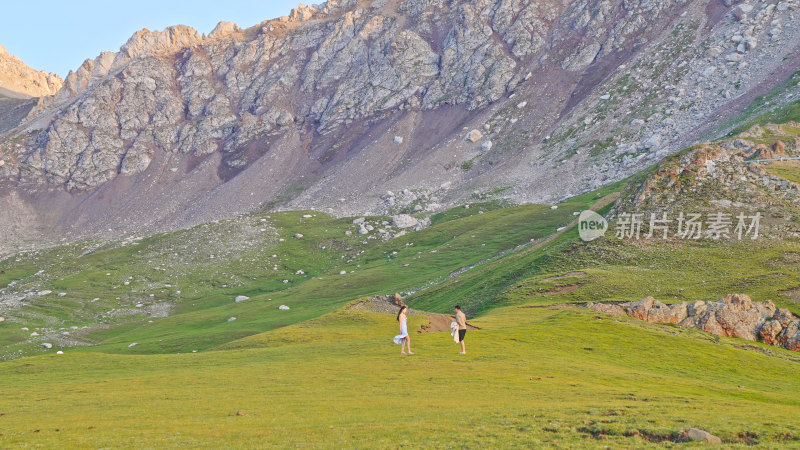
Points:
(404, 221)
(473, 136)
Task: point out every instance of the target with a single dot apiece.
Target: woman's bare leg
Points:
(408, 344)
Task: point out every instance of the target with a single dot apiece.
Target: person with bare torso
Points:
(461, 320)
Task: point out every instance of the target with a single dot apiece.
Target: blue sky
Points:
(57, 36)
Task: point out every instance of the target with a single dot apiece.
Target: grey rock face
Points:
(219, 125)
(176, 91)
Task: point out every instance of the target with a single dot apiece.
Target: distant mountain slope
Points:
(17, 80)
(363, 106)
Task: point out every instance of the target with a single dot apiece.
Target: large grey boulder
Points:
(404, 221)
(742, 11)
(696, 434)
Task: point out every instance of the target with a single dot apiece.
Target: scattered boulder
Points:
(404, 221)
(43, 293)
(653, 142)
(47, 345)
(473, 136)
(398, 140)
(733, 57)
(231, 319)
(742, 11)
(699, 435)
(283, 307)
(298, 236)
(62, 294)
(241, 298)
(59, 352)
(486, 146)
(133, 344)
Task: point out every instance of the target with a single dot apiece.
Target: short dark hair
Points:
(458, 307)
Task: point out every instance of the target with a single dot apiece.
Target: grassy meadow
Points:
(540, 371)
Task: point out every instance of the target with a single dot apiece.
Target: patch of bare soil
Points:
(441, 322)
(382, 304)
(562, 289)
(565, 275)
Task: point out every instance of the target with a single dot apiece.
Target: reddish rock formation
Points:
(735, 315)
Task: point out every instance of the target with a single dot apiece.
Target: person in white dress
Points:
(403, 339)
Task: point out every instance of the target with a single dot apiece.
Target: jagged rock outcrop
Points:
(734, 315)
(144, 43)
(20, 81)
(726, 177)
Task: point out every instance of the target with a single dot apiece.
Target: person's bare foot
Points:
(402, 353)
(462, 353)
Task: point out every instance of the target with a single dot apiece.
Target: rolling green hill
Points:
(158, 352)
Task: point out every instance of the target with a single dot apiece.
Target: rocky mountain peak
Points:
(143, 43)
(146, 42)
(20, 81)
(224, 29)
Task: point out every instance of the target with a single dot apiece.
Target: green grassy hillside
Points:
(533, 377)
(112, 288)
(157, 353)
